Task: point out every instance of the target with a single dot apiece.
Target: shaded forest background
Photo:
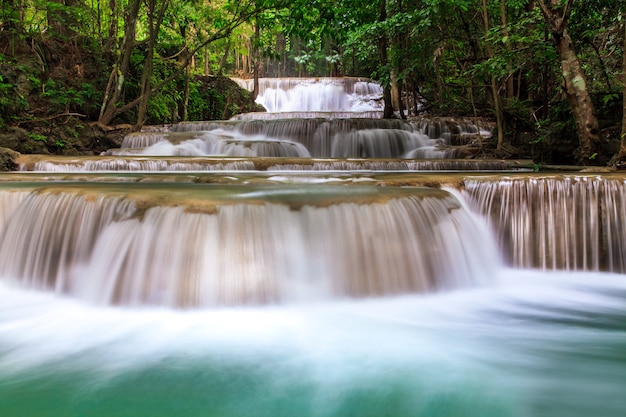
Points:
(75, 74)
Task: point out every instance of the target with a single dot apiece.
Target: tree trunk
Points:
(110, 106)
(382, 55)
(146, 78)
(622, 151)
(575, 82)
(186, 98)
(509, 85)
(119, 73)
(224, 59)
(494, 83)
(579, 99)
(396, 83)
(256, 61)
(207, 70)
(110, 43)
(396, 95)
(156, 13)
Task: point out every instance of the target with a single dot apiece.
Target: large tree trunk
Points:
(622, 150)
(575, 83)
(579, 100)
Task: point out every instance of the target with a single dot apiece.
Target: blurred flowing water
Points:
(245, 293)
(537, 344)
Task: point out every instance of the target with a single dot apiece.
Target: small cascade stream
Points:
(310, 261)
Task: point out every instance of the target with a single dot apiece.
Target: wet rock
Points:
(8, 159)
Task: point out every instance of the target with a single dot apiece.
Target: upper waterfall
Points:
(333, 94)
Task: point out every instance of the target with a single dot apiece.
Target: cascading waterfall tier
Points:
(212, 164)
(318, 137)
(343, 94)
(310, 118)
(556, 222)
(453, 132)
(372, 114)
(187, 246)
(9, 202)
(210, 142)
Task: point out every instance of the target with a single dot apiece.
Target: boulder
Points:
(8, 159)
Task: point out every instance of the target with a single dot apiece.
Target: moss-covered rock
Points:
(219, 98)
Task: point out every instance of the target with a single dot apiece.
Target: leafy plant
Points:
(37, 137)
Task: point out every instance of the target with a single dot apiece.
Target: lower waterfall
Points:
(161, 298)
(247, 248)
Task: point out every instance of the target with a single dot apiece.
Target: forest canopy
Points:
(547, 72)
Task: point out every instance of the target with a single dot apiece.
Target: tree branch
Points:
(44, 119)
(567, 11)
(544, 8)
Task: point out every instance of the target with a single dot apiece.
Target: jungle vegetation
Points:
(549, 73)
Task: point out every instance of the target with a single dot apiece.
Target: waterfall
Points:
(174, 164)
(269, 293)
(372, 114)
(319, 118)
(316, 137)
(48, 233)
(317, 94)
(383, 143)
(452, 132)
(558, 222)
(281, 245)
(138, 164)
(9, 202)
(216, 142)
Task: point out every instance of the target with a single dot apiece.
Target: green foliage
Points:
(610, 99)
(65, 98)
(439, 49)
(11, 102)
(199, 106)
(37, 137)
(205, 103)
(163, 106)
(6, 90)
